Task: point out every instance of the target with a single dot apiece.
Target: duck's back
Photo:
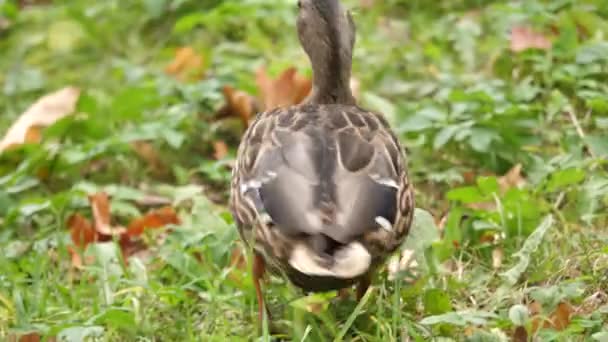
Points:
(327, 175)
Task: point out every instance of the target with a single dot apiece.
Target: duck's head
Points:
(327, 34)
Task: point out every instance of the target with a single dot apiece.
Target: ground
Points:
(113, 215)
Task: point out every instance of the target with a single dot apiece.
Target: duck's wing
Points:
(339, 182)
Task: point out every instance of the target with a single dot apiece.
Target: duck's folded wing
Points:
(339, 185)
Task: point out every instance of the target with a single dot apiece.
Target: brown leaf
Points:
(520, 335)
(29, 337)
(81, 230)
(512, 179)
(524, 38)
(149, 154)
(237, 259)
(288, 89)
(367, 3)
(558, 320)
(186, 65)
(153, 219)
(100, 205)
(238, 104)
(44, 112)
(220, 149)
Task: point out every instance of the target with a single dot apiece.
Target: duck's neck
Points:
(331, 82)
(331, 66)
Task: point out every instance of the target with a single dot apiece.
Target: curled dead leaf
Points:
(146, 151)
(29, 337)
(100, 205)
(186, 65)
(288, 89)
(512, 179)
(559, 319)
(524, 38)
(44, 112)
(81, 230)
(238, 104)
(153, 219)
(220, 149)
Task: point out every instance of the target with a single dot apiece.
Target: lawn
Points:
(125, 120)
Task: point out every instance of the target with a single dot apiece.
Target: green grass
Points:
(467, 108)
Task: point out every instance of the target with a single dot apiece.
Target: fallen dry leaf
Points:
(497, 256)
(524, 38)
(81, 230)
(512, 179)
(220, 149)
(30, 337)
(146, 151)
(100, 205)
(288, 89)
(44, 112)
(520, 334)
(186, 65)
(559, 319)
(238, 104)
(367, 3)
(153, 219)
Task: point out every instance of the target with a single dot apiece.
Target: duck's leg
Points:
(259, 267)
(363, 285)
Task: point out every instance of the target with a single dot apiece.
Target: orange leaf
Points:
(148, 153)
(512, 179)
(558, 320)
(154, 219)
(237, 259)
(238, 104)
(100, 204)
(524, 38)
(220, 149)
(288, 89)
(30, 337)
(81, 230)
(186, 64)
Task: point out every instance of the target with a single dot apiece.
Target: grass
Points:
(497, 257)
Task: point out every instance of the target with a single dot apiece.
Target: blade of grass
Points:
(354, 315)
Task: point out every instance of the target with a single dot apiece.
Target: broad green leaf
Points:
(444, 135)
(525, 253)
(459, 318)
(467, 194)
(487, 185)
(564, 178)
(436, 301)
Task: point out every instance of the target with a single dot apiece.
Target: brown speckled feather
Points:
(321, 175)
(320, 190)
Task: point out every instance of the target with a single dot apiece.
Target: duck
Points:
(320, 190)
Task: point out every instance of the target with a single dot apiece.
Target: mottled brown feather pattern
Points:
(357, 133)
